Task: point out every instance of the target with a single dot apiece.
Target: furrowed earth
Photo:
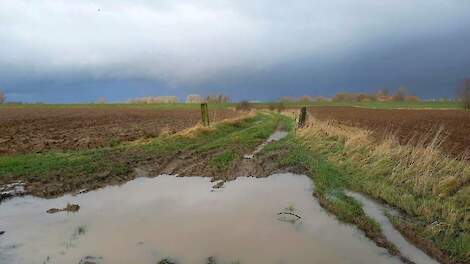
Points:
(41, 129)
(407, 125)
(52, 152)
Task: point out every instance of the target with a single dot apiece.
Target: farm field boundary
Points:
(43, 129)
(427, 186)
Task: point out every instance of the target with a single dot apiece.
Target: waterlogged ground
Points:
(377, 212)
(148, 219)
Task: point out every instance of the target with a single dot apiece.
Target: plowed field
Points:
(409, 126)
(26, 130)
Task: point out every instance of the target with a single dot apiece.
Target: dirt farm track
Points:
(408, 125)
(26, 130)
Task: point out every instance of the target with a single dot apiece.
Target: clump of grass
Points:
(223, 161)
(290, 208)
(428, 185)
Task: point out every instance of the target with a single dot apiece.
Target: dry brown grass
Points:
(423, 167)
(427, 184)
(200, 128)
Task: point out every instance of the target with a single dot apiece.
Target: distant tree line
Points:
(192, 98)
(401, 94)
(304, 98)
(218, 99)
(154, 100)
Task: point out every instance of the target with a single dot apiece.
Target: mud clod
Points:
(69, 208)
(166, 261)
(218, 185)
(91, 260)
(12, 190)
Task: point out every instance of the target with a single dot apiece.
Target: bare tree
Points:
(218, 99)
(384, 92)
(194, 98)
(463, 93)
(2, 97)
(401, 94)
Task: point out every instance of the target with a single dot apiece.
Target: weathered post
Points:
(205, 114)
(302, 117)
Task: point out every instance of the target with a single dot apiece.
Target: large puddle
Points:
(149, 219)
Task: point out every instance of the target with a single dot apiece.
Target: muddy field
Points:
(409, 126)
(28, 130)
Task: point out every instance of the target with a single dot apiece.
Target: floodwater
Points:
(149, 219)
(376, 211)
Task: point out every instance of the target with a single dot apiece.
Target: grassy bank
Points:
(330, 181)
(56, 173)
(430, 188)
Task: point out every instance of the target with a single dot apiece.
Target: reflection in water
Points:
(149, 219)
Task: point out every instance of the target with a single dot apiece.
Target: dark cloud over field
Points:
(78, 50)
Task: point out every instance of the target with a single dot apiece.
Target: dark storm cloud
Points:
(81, 49)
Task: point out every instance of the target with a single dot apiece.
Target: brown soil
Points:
(192, 164)
(187, 163)
(26, 130)
(409, 126)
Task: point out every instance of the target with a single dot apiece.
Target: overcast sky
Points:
(76, 51)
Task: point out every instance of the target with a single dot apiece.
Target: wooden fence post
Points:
(205, 114)
(302, 117)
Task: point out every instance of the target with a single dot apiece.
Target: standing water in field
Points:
(250, 220)
(377, 212)
(276, 136)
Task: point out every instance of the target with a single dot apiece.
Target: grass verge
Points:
(431, 189)
(329, 185)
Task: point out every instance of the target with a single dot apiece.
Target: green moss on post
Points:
(205, 114)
